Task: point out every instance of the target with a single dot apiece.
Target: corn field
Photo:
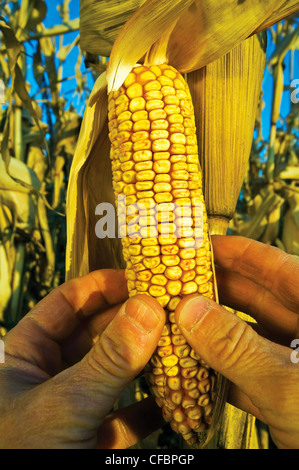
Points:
(38, 135)
(45, 82)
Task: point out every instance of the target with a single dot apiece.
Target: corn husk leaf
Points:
(30, 14)
(255, 225)
(13, 48)
(90, 183)
(290, 234)
(6, 259)
(140, 32)
(18, 86)
(290, 173)
(16, 196)
(195, 33)
(225, 94)
(101, 21)
(274, 218)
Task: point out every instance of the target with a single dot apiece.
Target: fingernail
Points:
(193, 311)
(142, 315)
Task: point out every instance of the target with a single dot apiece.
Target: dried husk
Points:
(90, 183)
(151, 23)
(274, 217)
(18, 208)
(7, 260)
(225, 94)
(17, 197)
(263, 221)
(290, 234)
(101, 21)
(203, 31)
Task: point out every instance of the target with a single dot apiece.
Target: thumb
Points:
(121, 352)
(229, 345)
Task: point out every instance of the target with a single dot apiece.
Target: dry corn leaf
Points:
(90, 183)
(36, 160)
(204, 31)
(35, 111)
(289, 42)
(225, 95)
(17, 196)
(276, 61)
(290, 234)
(7, 259)
(37, 14)
(31, 13)
(101, 21)
(5, 280)
(13, 49)
(141, 31)
(223, 23)
(18, 86)
(274, 218)
(290, 172)
(256, 225)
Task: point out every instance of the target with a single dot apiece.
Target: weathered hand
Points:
(262, 281)
(58, 384)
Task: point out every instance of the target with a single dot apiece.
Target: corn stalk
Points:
(266, 207)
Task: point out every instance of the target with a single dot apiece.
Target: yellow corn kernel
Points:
(155, 164)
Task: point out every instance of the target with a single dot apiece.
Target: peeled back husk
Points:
(225, 95)
(188, 34)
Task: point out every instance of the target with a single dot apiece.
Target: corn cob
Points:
(154, 157)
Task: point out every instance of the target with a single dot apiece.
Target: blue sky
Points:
(67, 89)
(267, 87)
(69, 86)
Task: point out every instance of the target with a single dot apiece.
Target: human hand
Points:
(261, 281)
(57, 384)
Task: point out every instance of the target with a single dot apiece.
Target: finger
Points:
(120, 353)
(99, 322)
(233, 348)
(130, 425)
(79, 298)
(243, 294)
(74, 348)
(57, 316)
(266, 265)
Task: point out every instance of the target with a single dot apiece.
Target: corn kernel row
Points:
(163, 225)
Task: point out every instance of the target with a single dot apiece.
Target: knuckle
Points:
(118, 353)
(236, 348)
(111, 357)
